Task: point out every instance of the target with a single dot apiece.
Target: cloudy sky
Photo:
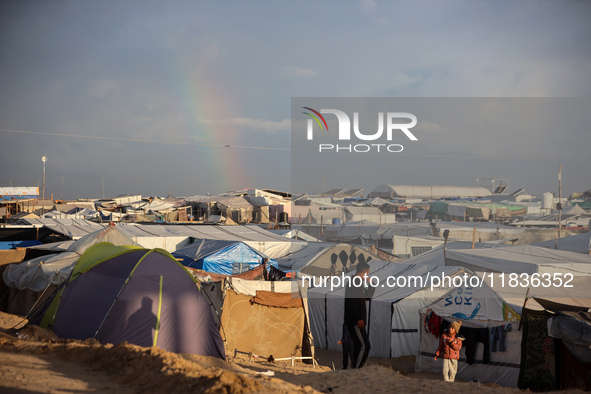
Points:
(180, 96)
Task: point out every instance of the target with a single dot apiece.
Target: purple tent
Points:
(144, 297)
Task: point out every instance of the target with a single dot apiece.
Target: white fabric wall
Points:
(170, 244)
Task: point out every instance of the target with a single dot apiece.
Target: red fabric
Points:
(449, 347)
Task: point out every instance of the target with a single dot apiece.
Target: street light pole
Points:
(44, 160)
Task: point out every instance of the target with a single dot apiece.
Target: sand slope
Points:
(35, 360)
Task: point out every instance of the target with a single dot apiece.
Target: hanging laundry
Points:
(497, 337)
(473, 336)
(434, 324)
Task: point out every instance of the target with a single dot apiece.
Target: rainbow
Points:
(206, 103)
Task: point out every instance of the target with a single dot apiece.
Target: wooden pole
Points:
(523, 309)
(473, 237)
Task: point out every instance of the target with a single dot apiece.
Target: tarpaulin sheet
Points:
(260, 329)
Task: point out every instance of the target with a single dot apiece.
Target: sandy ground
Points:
(35, 360)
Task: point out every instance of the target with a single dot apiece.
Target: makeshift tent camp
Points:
(266, 318)
(222, 257)
(392, 322)
(144, 297)
(318, 259)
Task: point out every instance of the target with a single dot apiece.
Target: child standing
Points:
(449, 349)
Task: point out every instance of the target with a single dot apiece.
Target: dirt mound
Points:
(36, 333)
(151, 369)
(122, 367)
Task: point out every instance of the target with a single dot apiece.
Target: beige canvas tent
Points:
(266, 318)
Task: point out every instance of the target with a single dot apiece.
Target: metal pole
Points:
(560, 200)
(43, 201)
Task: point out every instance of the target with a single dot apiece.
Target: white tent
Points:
(392, 322)
(84, 213)
(413, 246)
(435, 256)
(432, 192)
(173, 237)
(368, 214)
(317, 258)
(521, 259)
(481, 307)
(377, 202)
(295, 234)
(580, 243)
(493, 303)
(38, 273)
(151, 237)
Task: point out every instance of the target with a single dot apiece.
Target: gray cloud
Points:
(152, 70)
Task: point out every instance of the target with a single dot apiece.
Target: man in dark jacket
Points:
(356, 314)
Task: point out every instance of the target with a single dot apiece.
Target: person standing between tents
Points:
(348, 346)
(449, 349)
(356, 315)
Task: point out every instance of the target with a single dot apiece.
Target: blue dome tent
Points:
(222, 257)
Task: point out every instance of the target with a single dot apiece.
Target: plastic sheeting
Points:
(574, 328)
(7, 245)
(38, 273)
(222, 257)
(81, 213)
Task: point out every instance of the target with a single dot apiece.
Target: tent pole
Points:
(523, 309)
